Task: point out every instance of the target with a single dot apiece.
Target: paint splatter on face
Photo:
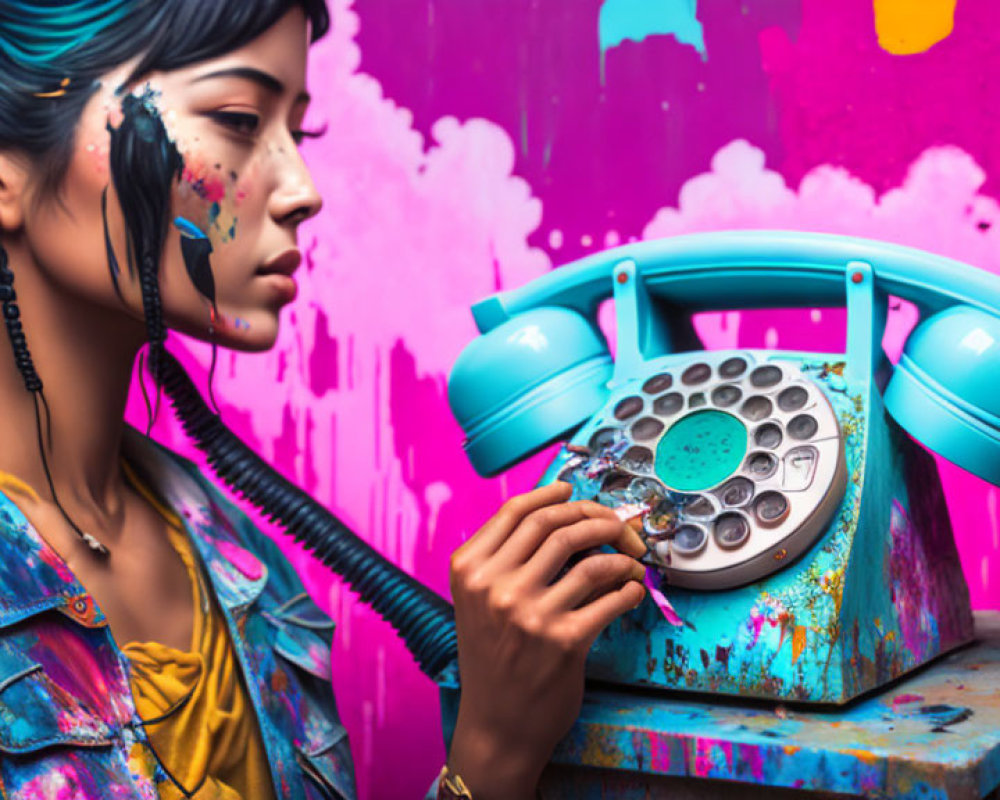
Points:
(220, 192)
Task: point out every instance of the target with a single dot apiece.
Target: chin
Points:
(254, 337)
(254, 340)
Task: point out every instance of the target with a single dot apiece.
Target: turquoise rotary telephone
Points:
(799, 542)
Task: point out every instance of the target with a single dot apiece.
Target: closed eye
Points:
(300, 135)
(239, 122)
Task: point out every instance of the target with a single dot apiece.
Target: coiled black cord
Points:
(26, 367)
(424, 620)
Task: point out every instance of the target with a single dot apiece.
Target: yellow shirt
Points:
(197, 713)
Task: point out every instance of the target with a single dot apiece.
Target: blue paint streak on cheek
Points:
(638, 19)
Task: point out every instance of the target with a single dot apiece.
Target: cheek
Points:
(219, 200)
(98, 154)
(67, 232)
(206, 198)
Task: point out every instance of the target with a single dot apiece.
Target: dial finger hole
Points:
(695, 374)
(700, 507)
(661, 522)
(771, 509)
(757, 408)
(668, 404)
(793, 398)
(735, 492)
(647, 491)
(761, 466)
(800, 467)
(605, 439)
(697, 400)
(647, 428)
(768, 435)
(765, 376)
(614, 490)
(725, 396)
(689, 540)
(802, 427)
(731, 531)
(733, 367)
(628, 407)
(637, 459)
(658, 383)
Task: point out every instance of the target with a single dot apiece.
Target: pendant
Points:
(94, 545)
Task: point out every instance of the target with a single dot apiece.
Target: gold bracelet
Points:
(451, 786)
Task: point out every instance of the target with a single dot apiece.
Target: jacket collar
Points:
(237, 575)
(34, 578)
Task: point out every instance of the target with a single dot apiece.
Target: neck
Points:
(83, 352)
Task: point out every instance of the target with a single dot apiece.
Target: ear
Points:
(13, 191)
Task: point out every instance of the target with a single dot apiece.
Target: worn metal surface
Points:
(879, 594)
(932, 736)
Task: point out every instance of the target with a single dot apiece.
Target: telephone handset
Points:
(768, 484)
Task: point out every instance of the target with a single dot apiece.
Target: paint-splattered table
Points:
(934, 735)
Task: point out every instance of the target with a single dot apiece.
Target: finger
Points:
(538, 526)
(596, 615)
(562, 544)
(499, 527)
(592, 577)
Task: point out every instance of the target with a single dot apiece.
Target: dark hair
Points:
(52, 55)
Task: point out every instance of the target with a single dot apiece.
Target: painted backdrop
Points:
(476, 144)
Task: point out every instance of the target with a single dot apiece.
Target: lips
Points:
(284, 264)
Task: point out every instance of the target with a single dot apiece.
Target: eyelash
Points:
(300, 135)
(237, 122)
(246, 125)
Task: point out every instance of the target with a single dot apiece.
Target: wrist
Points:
(491, 769)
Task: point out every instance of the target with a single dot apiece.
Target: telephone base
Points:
(931, 736)
(867, 595)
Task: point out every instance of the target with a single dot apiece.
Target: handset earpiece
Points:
(945, 391)
(527, 383)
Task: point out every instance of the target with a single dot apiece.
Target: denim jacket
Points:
(68, 725)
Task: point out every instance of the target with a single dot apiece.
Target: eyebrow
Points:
(261, 78)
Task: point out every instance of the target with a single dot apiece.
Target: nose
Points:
(295, 197)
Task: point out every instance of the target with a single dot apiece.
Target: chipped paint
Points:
(880, 592)
(874, 747)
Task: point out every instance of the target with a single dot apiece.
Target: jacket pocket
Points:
(328, 768)
(35, 712)
(302, 637)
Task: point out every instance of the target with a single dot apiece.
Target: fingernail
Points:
(637, 547)
(639, 573)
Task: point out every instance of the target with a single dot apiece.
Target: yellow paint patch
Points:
(798, 642)
(13, 485)
(906, 27)
(864, 756)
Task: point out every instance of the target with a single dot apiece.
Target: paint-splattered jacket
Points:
(68, 725)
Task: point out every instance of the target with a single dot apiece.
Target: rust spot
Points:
(279, 681)
(864, 756)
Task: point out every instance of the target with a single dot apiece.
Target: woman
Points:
(152, 642)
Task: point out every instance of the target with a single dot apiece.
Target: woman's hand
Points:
(523, 636)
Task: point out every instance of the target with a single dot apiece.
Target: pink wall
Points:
(474, 145)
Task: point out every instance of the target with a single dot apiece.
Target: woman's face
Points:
(236, 121)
